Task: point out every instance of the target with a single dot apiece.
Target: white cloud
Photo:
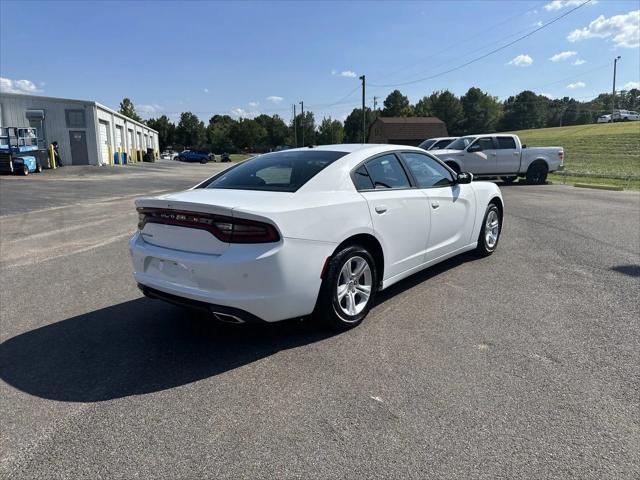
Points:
(8, 85)
(563, 56)
(242, 113)
(579, 61)
(631, 85)
(560, 4)
(573, 86)
(538, 23)
(254, 104)
(205, 90)
(274, 99)
(548, 95)
(345, 73)
(521, 61)
(147, 110)
(624, 30)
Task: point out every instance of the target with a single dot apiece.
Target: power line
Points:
(465, 64)
(462, 42)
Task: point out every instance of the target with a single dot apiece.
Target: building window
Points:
(75, 118)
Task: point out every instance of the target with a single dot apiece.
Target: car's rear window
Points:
(284, 171)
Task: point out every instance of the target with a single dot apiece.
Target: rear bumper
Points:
(261, 282)
(219, 312)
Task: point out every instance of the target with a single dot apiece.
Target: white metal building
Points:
(87, 132)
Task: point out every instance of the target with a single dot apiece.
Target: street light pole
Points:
(295, 128)
(613, 96)
(302, 113)
(364, 113)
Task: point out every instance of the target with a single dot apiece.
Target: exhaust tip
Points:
(226, 317)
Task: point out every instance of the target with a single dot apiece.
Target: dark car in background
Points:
(195, 156)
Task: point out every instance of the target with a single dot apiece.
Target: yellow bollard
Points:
(52, 157)
(120, 161)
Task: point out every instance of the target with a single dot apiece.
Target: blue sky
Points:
(246, 58)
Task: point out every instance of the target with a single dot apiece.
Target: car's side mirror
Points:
(464, 177)
(474, 148)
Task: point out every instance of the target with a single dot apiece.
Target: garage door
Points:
(119, 137)
(104, 142)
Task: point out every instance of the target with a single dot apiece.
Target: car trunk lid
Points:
(195, 220)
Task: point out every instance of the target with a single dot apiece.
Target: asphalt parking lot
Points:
(525, 364)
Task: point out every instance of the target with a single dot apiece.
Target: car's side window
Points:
(387, 172)
(427, 171)
(442, 144)
(361, 179)
(486, 143)
(506, 143)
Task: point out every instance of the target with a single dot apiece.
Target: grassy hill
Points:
(600, 153)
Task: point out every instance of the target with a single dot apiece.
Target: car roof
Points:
(356, 147)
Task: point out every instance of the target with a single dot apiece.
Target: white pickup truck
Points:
(501, 156)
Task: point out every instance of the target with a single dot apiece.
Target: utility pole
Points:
(375, 103)
(295, 129)
(613, 97)
(364, 113)
(302, 113)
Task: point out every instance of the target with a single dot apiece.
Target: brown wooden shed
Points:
(406, 130)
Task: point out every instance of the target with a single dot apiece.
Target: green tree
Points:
(481, 112)
(447, 107)
(277, 131)
(309, 126)
(166, 130)
(190, 131)
(423, 108)
(525, 110)
(219, 134)
(397, 105)
(248, 135)
(330, 132)
(128, 110)
(353, 124)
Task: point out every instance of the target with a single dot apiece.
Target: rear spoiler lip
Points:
(233, 212)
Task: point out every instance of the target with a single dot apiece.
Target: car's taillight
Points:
(561, 155)
(224, 228)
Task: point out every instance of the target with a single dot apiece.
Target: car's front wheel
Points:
(348, 288)
(490, 231)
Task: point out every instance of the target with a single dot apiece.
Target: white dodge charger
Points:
(310, 231)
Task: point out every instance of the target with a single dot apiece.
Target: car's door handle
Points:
(381, 208)
(516, 153)
(435, 205)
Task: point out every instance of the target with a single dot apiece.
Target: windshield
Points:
(461, 143)
(426, 144)
(284, 171)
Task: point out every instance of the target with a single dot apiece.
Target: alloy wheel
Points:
(354, 286)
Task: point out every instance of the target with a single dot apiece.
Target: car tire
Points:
(203, 161)
(38, 168)
(537, 174)
(350, 273)
(509, 179)
(490, 231)
(25, 170)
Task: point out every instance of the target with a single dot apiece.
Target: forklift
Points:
(19, 152)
